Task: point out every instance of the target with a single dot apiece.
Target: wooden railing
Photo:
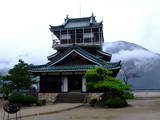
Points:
(58, 44)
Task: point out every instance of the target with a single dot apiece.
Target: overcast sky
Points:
(24, 24)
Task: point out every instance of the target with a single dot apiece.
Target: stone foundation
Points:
(94, 95)
(49, 97)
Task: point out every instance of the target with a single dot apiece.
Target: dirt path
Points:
(145, 109)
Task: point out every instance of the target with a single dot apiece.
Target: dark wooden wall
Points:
(50, 84)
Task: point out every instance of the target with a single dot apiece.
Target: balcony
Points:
(92, 39)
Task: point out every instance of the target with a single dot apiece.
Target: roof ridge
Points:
(79, 18)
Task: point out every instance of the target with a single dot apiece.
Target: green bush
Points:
(22, 98)
(128, 95)
(16, 97)
(29, 99)
(92, 102)
(41, 102)
(115, 102)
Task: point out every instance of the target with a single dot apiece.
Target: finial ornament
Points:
(67, 16)
(92, 14)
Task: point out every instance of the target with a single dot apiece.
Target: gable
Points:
(81, 52)
(75, 59)
(77, 54)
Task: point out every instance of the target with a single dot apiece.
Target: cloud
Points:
(125, 55)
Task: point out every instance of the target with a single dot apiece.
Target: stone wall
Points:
(49, 97)
(93, 95)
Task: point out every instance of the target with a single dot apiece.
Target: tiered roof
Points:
(88, 56)
(96, 61)
(74, 23)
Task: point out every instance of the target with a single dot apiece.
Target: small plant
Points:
(6, 90)
(128, 95)
(29, 99)
(22, 98)
(16, 98)
(41, 102)
(92, 102)
(115, 103)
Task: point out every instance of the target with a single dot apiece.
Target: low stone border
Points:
(50, 112)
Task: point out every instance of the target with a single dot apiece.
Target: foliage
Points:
(18, 97)
(101, 80)
(41, 102)
(19, 76)
(115, 102)
(29, 99)
(92, 101)
(99, 77)
(128, 95)
(6, 90)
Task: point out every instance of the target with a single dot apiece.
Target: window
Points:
(65, 36)
(88, 35)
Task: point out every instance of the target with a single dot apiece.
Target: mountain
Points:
(140, 66)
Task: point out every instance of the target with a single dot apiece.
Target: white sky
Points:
(24, 24)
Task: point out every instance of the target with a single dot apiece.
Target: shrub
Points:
(115, 103)
(41, 102)
(22, 98)
(128, 95)
(16, 97)
(92, 102)
(29, 99)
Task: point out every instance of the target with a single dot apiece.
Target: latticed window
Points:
(65, 36)
(88, 35)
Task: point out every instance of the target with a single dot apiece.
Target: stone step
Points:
(71, 97)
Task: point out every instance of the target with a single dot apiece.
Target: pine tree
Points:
(100, 79)
(19, 76)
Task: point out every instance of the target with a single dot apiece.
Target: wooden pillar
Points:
(99, 35)
(60, 36)
(64, 85)
(91, 36)
(46, 83)
(67, 37)
(75, 36)
(83, 35)
(83, 84)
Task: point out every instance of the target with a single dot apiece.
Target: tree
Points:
(6, 90)
(19, 76)
(100, 79)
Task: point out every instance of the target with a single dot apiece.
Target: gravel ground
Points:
(147, 109)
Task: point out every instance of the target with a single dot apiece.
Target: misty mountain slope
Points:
(141, 66)
(114, 47)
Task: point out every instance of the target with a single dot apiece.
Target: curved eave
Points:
(57, 28)
(58, 70)
(104, 53)
(53, 55)
(70, 69)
